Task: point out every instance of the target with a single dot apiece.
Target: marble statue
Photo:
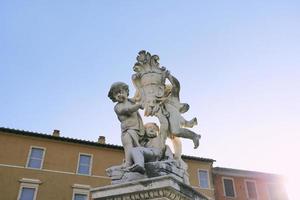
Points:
(146, 152)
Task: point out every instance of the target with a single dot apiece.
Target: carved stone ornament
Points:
(149, 81)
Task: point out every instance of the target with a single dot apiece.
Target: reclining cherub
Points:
(153, 149)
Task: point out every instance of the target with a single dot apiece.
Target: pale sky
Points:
(237, 61)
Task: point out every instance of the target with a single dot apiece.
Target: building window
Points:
(80, 197)
(84, 164)
(228, 186)
(203, 179)
(27, 193)
(81, 192)
(251, 189)
(28, 189)
(36, 157)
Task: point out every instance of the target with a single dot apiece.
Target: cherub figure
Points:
(174, 108)
(131, 122)
(172, 93)
(153, 149)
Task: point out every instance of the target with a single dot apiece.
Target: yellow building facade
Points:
(47, 167)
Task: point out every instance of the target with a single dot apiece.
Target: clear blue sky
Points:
(238, 63)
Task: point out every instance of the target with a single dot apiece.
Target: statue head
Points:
(116, 88)
(151, 130)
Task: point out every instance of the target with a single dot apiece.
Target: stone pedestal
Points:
(157, 188)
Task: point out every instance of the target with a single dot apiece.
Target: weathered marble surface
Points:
(158, 188)
(152, 169)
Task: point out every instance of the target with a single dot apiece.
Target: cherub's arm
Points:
(126, 110)
(136, 79)
(175, 84)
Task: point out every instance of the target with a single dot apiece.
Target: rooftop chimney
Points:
(55, 133)
(101, 139)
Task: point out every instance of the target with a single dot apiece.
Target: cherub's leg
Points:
(164, 125)
(135, 137)
(177, 147)
(175, 120)
(168, 153)
(189, 124)
(137, 155)
(185, 133)
(140, 155)
(127, 144)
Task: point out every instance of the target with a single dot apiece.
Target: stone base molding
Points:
(158, 188)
